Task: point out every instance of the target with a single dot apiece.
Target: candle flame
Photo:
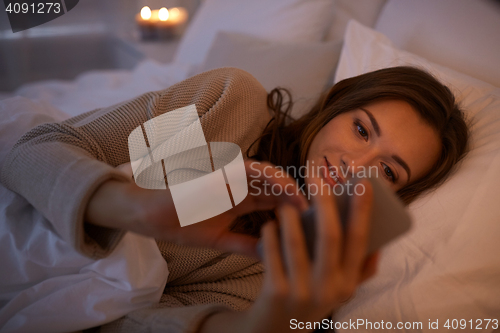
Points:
(146, 13)
(174, 12)
(163, 14)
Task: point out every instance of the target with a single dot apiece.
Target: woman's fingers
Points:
(370, 267)
(358, 230)
(273, 261)
(271, 186)
(295, 250)
(215, 233)
(340, 254)
(328, 230)
(339, 264)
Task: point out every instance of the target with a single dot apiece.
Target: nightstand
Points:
(159, 50)
(162, 51)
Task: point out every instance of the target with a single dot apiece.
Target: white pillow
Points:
(363, 11)
(460, 34)
(303, 68)
(448, 265)
(278, 20)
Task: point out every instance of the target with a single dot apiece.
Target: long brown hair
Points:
(285, 142)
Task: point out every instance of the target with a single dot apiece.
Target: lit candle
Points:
(163, 14)
(163, 23)
(145, 13)
(170, 21)
(146, 23)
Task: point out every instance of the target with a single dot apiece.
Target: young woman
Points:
(399, 120)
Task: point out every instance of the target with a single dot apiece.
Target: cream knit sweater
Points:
(58, 166)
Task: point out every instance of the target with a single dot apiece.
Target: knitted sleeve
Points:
(58, 166)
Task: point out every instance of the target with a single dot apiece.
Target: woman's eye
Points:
(388, 173)
(362, 131)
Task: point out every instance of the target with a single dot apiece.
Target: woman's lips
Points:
(330, 174)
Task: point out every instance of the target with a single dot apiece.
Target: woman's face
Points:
(386, 138)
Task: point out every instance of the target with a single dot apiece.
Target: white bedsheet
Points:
(45, 285)
(96, 89)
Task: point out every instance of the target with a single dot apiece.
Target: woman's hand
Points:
(294, 287)
(152, 212)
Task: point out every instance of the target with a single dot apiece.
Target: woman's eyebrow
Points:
(375, 125)
(401, 162)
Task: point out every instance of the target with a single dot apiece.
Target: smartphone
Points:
(389, 218)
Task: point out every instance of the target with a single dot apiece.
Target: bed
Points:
(446, 270)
